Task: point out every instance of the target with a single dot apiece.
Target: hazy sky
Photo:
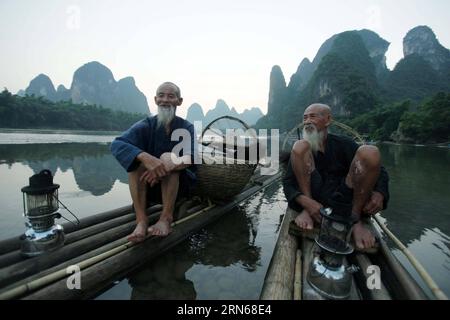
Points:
(211, 48)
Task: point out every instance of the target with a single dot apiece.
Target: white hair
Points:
(165, 115)
(313, 136)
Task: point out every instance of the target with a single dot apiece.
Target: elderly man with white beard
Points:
(155, 173)
(326, 169)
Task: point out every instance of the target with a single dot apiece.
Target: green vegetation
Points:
(37, 112)
(363, 93)
(350, 47)
(381, 122)
(429, 124)
(346, 74)
(343, 77)
(413, 78)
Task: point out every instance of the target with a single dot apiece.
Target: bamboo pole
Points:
(98, 277)
(16, 256)
(65, 264)
(375, 294)
(28, 267)
(279, 280)
(25, 268)
(189, 217)
(40, 282)
(298, 276)
(415, 263)
(88, 255)
(11, 244)
(403, 285)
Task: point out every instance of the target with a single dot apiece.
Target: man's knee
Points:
(301, 147)
(369, 155)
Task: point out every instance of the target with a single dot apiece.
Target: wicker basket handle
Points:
(224, 117)
(246, 126)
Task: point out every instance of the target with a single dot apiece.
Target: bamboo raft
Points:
(99, 247)
(286, 275)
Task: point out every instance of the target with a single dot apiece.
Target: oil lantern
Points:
(41, 204)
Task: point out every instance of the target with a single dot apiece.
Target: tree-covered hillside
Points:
(345, 79)
(413, 78)
(37, 112)
(349, 74)
(430, 123)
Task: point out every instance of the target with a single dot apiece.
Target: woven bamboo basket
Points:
(225, 178)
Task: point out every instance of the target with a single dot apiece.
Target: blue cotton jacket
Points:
(146, 136)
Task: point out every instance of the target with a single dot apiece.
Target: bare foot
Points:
(363, 237)
(161, 228)
(304, 221)
(139, 232)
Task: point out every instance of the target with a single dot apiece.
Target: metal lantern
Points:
(327, 273)
(40, 203)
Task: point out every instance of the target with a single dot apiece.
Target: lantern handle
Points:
(78, 220)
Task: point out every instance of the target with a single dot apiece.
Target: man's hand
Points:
(375, 203)
(150, 177)
(174, 163)
(168, 162)
(155, 167)
(311, 206)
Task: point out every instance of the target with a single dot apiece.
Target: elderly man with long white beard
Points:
(326, 169)
(155, 173)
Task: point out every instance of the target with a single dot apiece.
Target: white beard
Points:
(314, 137)
(165, 115)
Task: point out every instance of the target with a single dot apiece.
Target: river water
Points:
(229, 258)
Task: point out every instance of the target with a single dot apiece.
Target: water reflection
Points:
(419, 182)
(229, 242)
(94, 169)
(164, 279)
(228, 259)
(418, 210)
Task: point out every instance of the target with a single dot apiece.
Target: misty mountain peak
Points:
(93, 83)
(94, 73)
(127, 81)
(422, 34)
(42, 86)
(195, 113)
(61, 88)
(277, 77)
(221, 106)
(422, 41)
(375, 44)
(277, 86)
